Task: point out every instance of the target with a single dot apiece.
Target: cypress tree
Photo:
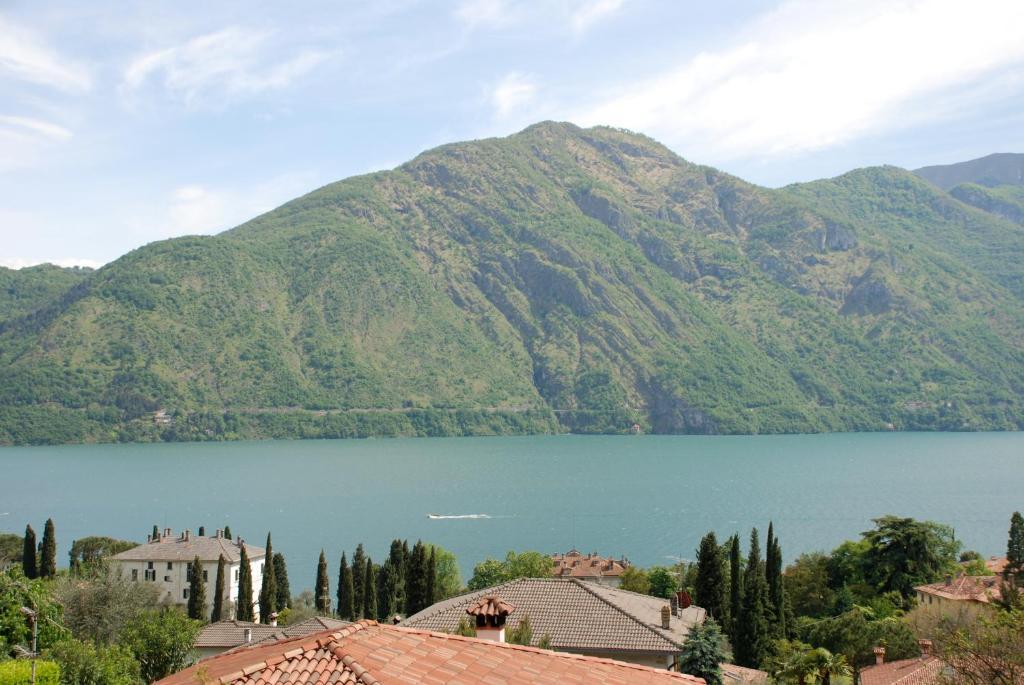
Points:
(227, 532)
(48, 552)
(196, 591)
(218, 598)
(771, 576)
(156, 533)
(358, 578)
(243, 609)
(735, 587)
(322, 591)
(431, 578)
(29, 562)
(284, 592)
(709, 590)
(752, 633)
(416, 581)
(776, 589)
(397, 585)
(268, 590)
(1015, 545)
(346, 610)
(387, 587)
(370, 593)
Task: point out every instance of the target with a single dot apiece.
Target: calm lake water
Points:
(650, 498)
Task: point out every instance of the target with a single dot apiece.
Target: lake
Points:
(649, 498)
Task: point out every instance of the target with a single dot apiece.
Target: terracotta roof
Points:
(577, 615)
(490, 605)
(180, 549)
(229, 634)
(996, 564)
(921, 671)
(572, 564)
(731, 673)
(965, 588)
(369, 653)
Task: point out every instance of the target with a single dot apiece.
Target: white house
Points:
(166, 560)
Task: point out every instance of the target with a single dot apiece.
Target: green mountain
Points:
(558, 279)
(1002, 168)
(23, 291)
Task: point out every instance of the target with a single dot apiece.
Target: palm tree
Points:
(829, 664)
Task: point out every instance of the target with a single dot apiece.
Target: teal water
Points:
(649, 498)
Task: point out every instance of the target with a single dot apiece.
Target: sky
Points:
(124, 123)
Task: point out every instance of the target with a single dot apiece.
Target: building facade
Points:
(166, 562)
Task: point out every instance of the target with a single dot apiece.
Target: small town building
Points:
(578, 617)
(374, 654)
(167, 560)
(223, 636)
(963, 598)
(925, 670)
(592, 567)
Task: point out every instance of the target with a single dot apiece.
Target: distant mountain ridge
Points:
(557, 279)
(1001, 168)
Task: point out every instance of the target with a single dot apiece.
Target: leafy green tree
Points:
(322, 591)
(702, 653)
(752, 641)
(29, 561)
(855, 634)
(1015, 545)
(830, 665)
(515, 565)
(663, 581)
(19, 672)
(806, 582)
(243, 606)
(735, 587)
(90, 551)
(48, 551)
(709, 591)
(268, 590)
(17, 591)
(447, 580)
(196, 591)
(284, 591)
(988, 651)
(635, 579)
(97, 608)
(358, 578)
(219, 591)
(903, 552)
(10, 549)
(488, 573)
(83, 663)
(346, 608)
(847, 564)
(370, 592)
(161, 640)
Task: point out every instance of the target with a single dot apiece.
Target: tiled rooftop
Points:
(922, 671)
(187, 547)
(572, 564)
(578, 615)
(373, 654)
(229, 634)
(740, 675)
(965, 588)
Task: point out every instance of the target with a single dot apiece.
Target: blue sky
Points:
(123, 123)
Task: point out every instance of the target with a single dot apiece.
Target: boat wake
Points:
(458, 516)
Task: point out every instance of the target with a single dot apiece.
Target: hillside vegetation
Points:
(558, 279)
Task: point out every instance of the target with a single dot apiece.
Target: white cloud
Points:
(512, 92)
(27, 57)
(814, 75)
(588, 13)
(35, 126)
(221, 65)
(484, 12)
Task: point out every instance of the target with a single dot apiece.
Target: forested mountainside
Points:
(557, 279)
(23, 291)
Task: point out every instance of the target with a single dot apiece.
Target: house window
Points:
(236, 575)
(167, 579)
(205, 577)
(170, 566)
(184, 593)
(149, 564)
(150, 575)
(135, 574)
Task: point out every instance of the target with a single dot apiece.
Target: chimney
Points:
(220, 533)
(490, 614)
(247, 635)
(949, 580)
(167, 532)
(666, 616)
(149, 538)
(202, 531)
(674, 603)
(926, 648)
(273, 619)
(187, 535)
(879, 655)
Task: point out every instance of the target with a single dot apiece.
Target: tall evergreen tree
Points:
(219, 591)
(284, 592)
(416, 580)
(777, 590)
(387, 590)
(1015, 545)
(243, 607)
(752, 634)
(196, 591)
(322, 591)
(29, 560)
(268, 590)
(48, 552)
(358, 578)
(709, 590)
(702, 653)
(346, 609)
(397, 558)
(227, 532)
(156, 533)
(735, 587)
(370, 591)
(431, 578)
